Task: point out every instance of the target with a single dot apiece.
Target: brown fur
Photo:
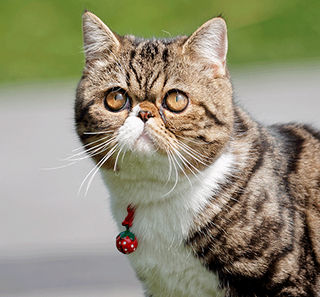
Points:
(265, 240)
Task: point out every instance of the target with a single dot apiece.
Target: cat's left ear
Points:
(98, 39)
(210, 44)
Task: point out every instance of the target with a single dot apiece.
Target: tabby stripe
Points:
(212, 115)
(165, 81)
(155, 47)
(312, 131)
(239, 123)
(84, 111)
(307, 243)
(293, 146)
(239, 192)
(153, 82)
(128, 79)
(165, 56)
(245, 286)
(149, 51)
(132, 55)
(150, 87)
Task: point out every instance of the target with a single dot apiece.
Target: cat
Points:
(224, 206)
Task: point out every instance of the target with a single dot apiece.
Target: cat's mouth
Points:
(144, 143)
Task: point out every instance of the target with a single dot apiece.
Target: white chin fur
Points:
(144, 144)
(132, 136)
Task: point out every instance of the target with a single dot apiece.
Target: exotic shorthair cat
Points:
(223, 205)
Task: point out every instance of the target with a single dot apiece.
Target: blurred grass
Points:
(41, 39)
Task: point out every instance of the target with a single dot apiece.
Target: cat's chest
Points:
(162, 260)
(165, 214)
(167, 266)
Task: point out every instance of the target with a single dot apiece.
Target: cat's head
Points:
(157, 96)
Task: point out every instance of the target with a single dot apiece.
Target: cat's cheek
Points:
(161, 137)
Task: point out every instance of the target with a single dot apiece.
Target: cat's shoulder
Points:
(300, 146)
(296, 133)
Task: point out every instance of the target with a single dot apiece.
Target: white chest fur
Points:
(162, 222)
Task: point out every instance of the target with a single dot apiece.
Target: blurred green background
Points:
(41, 39)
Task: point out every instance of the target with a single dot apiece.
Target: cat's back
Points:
(300, 147)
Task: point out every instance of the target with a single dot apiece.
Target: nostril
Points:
(144, 115)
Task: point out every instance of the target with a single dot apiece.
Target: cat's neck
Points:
(151, 179)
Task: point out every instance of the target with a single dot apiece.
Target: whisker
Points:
(91, 154)
(201, 142)
(94, 170)
(122, 158)
(98, 132)
(110, 153)
(192, 150)
(181, 167)
(188, 164)
(176, 171)
(91, 151)
(90, 143)
(195, 155)
(170, 166)
(58, 167)
(117, 157)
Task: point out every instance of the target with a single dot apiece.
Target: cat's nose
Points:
(145, 115)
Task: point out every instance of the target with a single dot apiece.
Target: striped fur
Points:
(252, 215)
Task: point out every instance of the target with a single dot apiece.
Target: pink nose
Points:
(145, 115)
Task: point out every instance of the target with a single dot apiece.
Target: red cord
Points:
(129, 218)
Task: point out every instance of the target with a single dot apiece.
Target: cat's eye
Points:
(116, 99)
(175, 101)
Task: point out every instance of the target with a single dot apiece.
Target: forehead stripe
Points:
(153, 82)
(132, 55)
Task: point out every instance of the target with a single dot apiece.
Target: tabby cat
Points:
(224, 205)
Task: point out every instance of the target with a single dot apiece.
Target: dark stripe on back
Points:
(293, 145)
(315, 133)
(240, 126)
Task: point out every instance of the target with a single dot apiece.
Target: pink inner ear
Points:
(219, 70)
(222, 48)
(209, 44)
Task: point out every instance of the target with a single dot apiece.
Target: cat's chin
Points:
(144, 144)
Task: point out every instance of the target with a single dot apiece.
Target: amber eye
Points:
(116, 100)
(176, 101)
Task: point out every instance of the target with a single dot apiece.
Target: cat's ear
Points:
(210, 44)
(97, 37)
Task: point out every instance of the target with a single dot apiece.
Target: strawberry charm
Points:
(126, 241)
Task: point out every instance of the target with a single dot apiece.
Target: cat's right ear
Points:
(209, 44)
(98, 39)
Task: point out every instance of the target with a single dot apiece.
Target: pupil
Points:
(118, 97)
(178, 97)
